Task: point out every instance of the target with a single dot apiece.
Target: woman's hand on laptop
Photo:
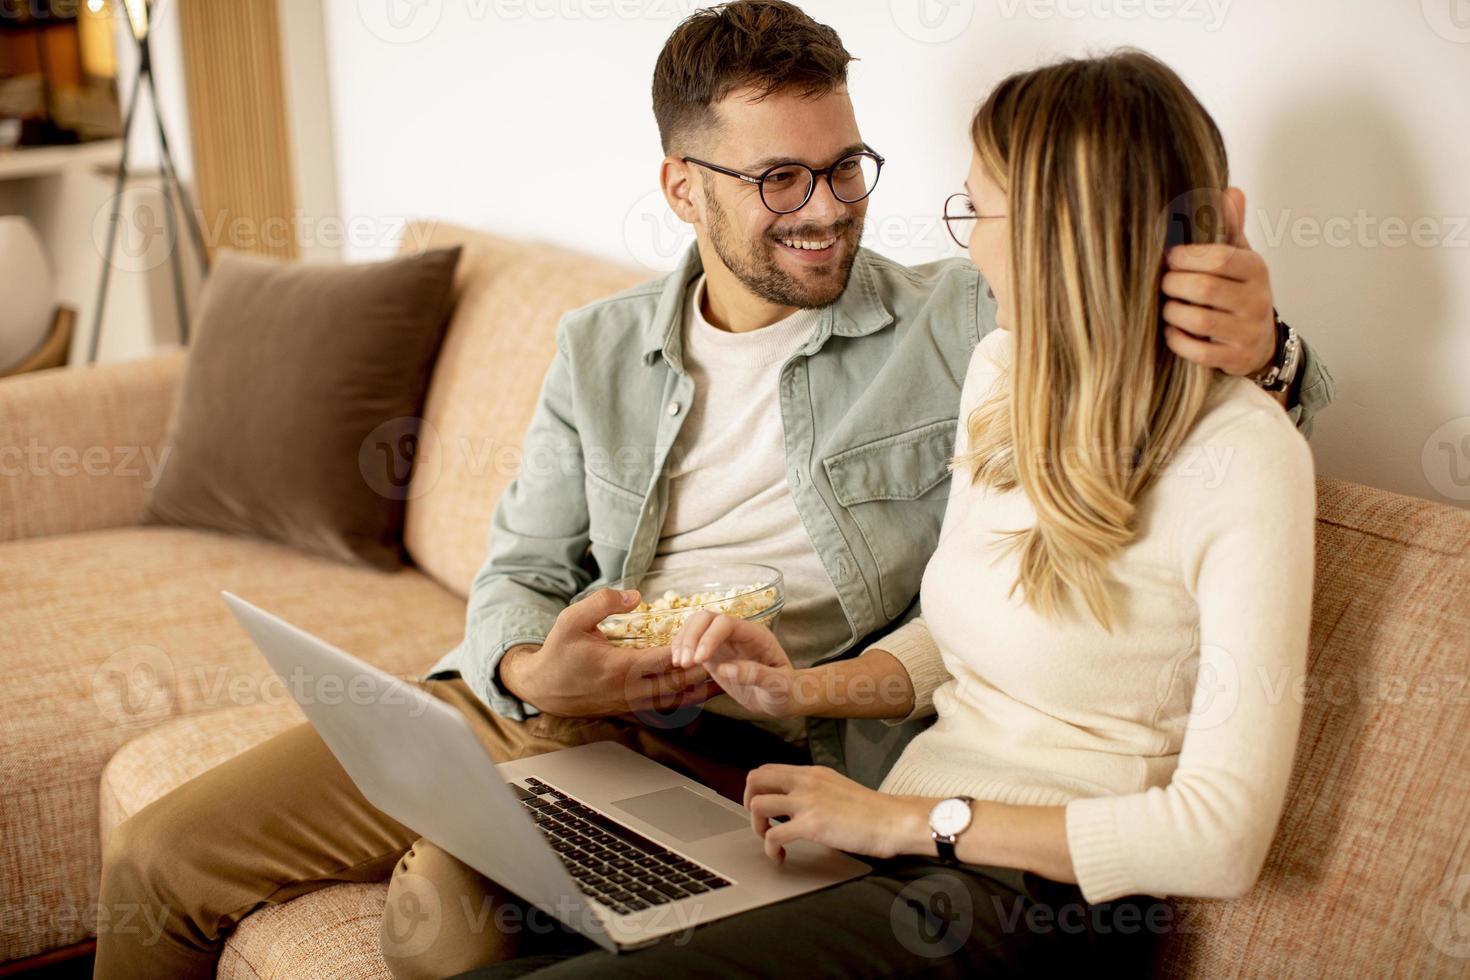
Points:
(744, 658)
(577, 673)
(817, 803)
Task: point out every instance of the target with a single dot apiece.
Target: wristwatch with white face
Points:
(947, 821)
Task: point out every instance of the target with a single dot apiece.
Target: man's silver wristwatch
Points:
(1281, 372)
(947, 821)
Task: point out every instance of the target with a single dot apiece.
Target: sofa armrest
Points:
(81, 446)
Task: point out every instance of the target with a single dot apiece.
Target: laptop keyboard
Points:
(617, 866)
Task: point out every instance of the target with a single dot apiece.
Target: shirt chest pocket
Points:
(612, 512)
(894, 489)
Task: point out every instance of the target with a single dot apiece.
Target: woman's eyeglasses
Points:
(960, 218)
(786, 187)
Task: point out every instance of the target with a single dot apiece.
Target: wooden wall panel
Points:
(237, 114)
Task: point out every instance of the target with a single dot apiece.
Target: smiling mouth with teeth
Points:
(810, 246)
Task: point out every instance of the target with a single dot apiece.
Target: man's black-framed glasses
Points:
(786, 187)
(960, 217)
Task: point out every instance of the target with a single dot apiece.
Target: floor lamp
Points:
(142, 15)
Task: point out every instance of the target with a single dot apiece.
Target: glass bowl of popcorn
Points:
(752, 592)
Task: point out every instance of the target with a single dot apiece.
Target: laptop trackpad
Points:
(682, 813)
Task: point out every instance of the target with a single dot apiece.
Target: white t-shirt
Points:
(728, 496)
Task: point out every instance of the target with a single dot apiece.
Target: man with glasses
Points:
(797, 397)
(786, 187)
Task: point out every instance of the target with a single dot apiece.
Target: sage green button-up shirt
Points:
(869, 407)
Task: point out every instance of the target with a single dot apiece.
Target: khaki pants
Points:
(284, 819)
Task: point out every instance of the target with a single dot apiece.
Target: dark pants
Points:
(912, 917)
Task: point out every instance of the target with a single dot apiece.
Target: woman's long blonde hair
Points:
(1105, 163)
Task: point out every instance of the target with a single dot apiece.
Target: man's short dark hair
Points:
(768, 45)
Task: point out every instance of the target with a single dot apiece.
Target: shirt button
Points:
(842, 568)
(674, 408)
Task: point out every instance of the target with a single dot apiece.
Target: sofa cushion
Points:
(109, 633)
(509, 297)
(330, 934)
(1370, 871)
(298, 413)
(81, 445)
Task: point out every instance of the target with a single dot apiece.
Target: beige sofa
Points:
(124, 674)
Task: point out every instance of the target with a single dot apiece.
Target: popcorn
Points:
(654, 624)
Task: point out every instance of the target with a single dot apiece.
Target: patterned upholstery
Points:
(327, 935)
(87, 441)
(107, 635)
(509, 297)
(1370, 872)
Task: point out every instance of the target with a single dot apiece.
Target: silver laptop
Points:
(614, 845)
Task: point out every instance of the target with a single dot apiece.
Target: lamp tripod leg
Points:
(171, 172)
(171, 238)
(117, 193)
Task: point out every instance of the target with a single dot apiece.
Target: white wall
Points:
(532, 117)
(308, 84)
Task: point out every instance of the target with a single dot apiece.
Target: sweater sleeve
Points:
(1246, 549)
(914, 648)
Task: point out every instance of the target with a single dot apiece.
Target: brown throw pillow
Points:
(294, 373)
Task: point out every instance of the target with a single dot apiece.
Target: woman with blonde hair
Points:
(1115, 615)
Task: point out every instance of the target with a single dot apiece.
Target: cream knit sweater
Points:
(1169, 740)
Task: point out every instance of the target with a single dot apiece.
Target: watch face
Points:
(949, 817)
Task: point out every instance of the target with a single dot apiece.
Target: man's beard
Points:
(758, 270)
